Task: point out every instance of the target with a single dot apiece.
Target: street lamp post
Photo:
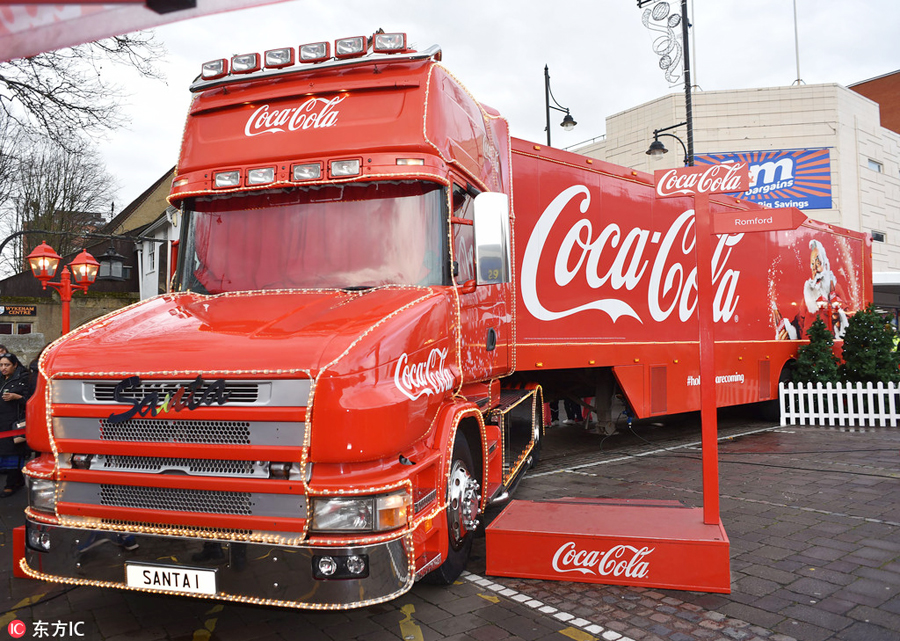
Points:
(658, 149)
(44, 262)
(568, 122)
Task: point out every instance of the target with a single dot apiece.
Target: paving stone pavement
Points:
(812, 514)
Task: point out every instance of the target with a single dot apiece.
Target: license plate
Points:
(170, 578)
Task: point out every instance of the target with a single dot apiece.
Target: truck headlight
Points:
(360, 514)
(342, 514)
(41, 494)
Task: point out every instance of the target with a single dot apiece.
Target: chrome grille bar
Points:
(184, 500)
(146, 430)
(104, 392)
(189, 466)
(266, 393)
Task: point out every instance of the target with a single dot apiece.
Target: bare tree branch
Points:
(63, 94)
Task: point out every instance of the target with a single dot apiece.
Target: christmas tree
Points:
(816, 362)
(869, 354)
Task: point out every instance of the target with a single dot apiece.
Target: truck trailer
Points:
(378, 289)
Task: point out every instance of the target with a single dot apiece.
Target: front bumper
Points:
(257, 573)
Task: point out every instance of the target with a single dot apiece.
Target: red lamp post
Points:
(44, 261)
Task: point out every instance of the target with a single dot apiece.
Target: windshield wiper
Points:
(357, 288)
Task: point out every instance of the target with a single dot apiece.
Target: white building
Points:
(864, 156)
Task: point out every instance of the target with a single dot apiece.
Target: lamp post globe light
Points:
(44, 261)
(568, 123)
(657, 149)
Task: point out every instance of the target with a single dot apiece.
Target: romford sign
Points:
(737, 222)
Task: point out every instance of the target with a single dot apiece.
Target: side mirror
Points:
(492, 239)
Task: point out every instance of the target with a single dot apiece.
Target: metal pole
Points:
(689, 118)
(797, 44)
(708, 406)
(547, 99)
(65, 295)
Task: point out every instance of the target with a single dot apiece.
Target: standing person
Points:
(13, 394)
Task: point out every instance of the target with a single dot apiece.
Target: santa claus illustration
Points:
(821, 299)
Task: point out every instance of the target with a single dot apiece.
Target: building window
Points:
(23, 328)
(878, 236)
(874, 165)
(6, 328)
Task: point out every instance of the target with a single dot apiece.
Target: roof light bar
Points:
(344, 168)
(389, 42)
(214, 69)
(309, 171)
(278, 58)
(224, 179)
(261, 176)
(315, 52)
(245, 63)
(350, 47)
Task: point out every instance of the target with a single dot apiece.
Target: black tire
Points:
(462, 474)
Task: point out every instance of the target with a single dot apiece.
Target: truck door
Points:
(485, 327)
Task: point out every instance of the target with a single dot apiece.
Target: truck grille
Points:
(167, 431)
(198, 501)
(162, 498)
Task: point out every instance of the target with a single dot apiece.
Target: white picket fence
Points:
(839, 404)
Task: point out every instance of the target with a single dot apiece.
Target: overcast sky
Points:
(599, 53)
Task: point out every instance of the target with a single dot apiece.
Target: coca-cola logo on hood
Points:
(424, 378)
(314, 113)
(658, 265)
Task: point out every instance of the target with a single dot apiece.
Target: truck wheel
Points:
(463, 504)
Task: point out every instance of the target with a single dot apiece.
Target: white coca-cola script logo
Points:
(668, 283)
(313, 113)
(619, 560)
(426, 378)
(716, 179)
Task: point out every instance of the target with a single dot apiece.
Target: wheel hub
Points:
(463, 503)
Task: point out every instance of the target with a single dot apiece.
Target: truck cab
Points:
(312, 417)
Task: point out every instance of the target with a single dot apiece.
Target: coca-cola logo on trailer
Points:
(619, 560)
(617, 260)
(313, 113)
(425, 378)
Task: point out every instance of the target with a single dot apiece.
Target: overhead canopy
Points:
(886, 286)
(38, 26)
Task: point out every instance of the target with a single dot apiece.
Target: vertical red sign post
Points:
(700, 182)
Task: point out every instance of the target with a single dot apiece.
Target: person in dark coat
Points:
(14, 386)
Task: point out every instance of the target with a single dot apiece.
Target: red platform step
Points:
(660, 544)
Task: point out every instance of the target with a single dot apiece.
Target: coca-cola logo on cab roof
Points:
(314, 113)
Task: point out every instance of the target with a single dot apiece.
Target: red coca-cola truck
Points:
(378, 289)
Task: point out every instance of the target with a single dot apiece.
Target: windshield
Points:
(355, 236)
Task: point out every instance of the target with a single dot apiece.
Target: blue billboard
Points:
(798, 178)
